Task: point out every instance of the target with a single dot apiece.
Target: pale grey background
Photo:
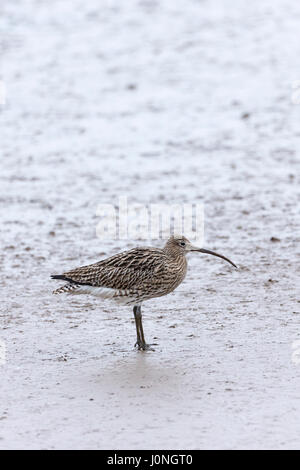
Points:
(187, 101)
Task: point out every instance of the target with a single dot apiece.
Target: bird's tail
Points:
(67, 288)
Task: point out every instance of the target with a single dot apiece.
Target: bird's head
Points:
(180, 244)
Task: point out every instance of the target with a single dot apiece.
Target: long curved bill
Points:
(209, 252)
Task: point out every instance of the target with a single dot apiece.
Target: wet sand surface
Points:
(163, 103)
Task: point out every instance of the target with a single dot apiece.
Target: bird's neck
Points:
(174, 254)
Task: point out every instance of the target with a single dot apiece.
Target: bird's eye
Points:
(182, 243)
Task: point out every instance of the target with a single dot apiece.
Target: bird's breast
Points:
(172, 274)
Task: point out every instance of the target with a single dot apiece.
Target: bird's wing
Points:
(127, 270)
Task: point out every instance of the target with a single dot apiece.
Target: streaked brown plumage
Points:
(134, 276)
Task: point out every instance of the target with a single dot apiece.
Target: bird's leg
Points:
(137, 324)
(140, 343)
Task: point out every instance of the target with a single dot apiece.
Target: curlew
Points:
(133, 276)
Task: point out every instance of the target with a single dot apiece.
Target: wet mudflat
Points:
(163, 103)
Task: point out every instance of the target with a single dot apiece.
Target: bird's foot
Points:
(143, 346)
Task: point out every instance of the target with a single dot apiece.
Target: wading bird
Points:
(134, 276)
